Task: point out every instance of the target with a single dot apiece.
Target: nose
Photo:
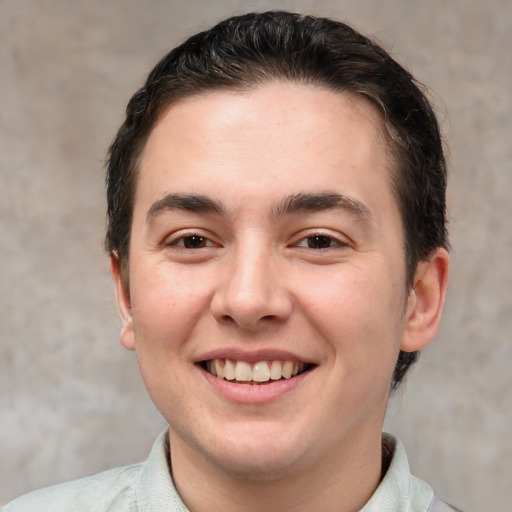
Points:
(252, 292)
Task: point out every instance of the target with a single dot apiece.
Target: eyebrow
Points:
(293, 204)
(187, 202)
(313, 202)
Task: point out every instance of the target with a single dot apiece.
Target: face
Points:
(266, 297)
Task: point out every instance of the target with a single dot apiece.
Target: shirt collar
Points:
(399, 491)
(155, 490)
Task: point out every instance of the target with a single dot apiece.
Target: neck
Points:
(343, 481)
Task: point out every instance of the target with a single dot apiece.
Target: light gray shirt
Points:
(148, 487)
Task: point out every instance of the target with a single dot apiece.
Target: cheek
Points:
(167, 303)
(357, 312)
(341, 296)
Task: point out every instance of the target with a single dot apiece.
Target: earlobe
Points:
(426, 300)
(123, 303)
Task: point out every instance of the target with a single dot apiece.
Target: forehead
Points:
(271, 132)
(271, 104)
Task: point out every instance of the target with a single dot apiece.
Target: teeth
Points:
(243, 371)
(287, 369)
(262, 371)
(229, 370)
(219, 370)
(276, 370)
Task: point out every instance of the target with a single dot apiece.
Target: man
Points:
(276, 229)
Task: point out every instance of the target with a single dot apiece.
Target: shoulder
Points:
(145, 486)
(110, 490)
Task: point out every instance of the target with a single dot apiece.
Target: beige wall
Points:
(71, 401)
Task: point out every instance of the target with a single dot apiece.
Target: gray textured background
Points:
(71, 400)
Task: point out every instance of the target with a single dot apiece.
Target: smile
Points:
(258, 373)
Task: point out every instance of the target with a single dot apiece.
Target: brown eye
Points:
(194, 242)
(320, 242)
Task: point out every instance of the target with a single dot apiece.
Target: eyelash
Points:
(192, 238)
(320, 239)
(314, 241)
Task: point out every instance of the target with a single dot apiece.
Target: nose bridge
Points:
(251, 272)
(252, 289)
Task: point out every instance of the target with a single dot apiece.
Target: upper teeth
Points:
(262, 371)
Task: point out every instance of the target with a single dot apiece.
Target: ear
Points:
(426, 300)
(123, 303)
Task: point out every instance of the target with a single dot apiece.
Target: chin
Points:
(257, 454)
(256, 465)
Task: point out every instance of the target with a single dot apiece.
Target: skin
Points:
(258, 282)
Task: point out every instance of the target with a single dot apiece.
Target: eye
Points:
(320, 241)
(192, 241)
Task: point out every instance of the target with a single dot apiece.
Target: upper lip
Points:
(252, 356)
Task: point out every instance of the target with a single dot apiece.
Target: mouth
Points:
(259, 373)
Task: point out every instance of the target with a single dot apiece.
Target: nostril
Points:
(248, 307)
(246, 322)
(227, 318)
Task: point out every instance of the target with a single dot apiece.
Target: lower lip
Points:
(254, 393)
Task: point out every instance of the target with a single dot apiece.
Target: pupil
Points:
(193, 242)
(319, 242)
